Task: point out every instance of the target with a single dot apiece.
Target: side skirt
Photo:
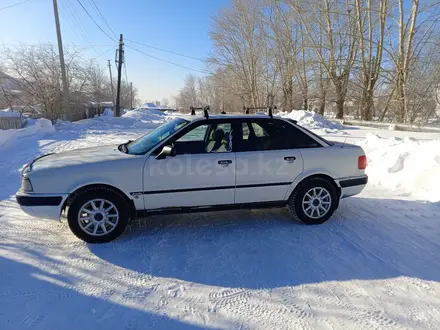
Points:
(210, 208)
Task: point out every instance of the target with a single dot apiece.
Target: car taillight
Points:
(362, 162)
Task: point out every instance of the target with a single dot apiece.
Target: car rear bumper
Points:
(352, 186)
(47, 206)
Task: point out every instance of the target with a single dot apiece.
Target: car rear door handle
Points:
(225, 162)
(290, 159)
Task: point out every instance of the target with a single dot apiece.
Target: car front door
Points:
(201, 174)
(266, 165)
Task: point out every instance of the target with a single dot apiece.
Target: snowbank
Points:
(137, 118)
(312, 120)
(145, 114)
(405, 165)
(9, 113)
(40, 126)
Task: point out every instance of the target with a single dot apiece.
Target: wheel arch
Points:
(101, 186)
(324, 176)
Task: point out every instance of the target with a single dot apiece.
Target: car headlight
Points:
(26, 185)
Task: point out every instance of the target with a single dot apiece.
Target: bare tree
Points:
(339, 45)
(282, 40)
(36, 74)
(403, 61)
(323, 79)
(238, 43)
(410, 46)
(371, 17)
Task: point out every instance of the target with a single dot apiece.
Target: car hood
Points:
(79, 157)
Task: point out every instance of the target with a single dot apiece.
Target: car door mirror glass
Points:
(167, 151)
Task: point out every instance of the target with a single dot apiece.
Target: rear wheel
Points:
(314, 201)
(98, 215)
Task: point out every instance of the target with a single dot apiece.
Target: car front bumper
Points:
(47, 206)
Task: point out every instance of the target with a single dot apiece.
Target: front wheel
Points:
(98, 215)
(314, 201)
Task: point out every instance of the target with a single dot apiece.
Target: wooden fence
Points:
(8, 123)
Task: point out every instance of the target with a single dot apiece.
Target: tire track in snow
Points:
(228, 298)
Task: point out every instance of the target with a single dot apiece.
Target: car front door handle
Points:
(290, 159)
(225, 162)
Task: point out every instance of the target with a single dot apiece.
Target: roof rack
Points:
(205, 111)
(269, 110)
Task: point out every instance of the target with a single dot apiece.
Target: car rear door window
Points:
(258, 130)
(260, 135)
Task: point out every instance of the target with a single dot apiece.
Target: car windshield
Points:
(146, 142)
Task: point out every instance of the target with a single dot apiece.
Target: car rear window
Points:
(320, 138)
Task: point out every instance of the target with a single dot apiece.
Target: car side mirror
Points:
(167, 151)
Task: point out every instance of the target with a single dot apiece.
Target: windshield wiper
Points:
(123, 147)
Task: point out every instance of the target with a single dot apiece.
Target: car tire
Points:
(103, 209)
(314, 201)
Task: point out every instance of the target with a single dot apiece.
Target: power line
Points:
(94, 58)
(73, 21)
(77, 21)
(166, 61)
(14, 4)
(165, 50)
(105, 21)
(79, 1)
(90, 45)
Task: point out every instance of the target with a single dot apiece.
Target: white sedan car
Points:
(190, 165)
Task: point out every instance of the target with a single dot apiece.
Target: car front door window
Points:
(206, 138)
(220, 138)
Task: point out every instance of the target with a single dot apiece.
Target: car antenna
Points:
(343, 143)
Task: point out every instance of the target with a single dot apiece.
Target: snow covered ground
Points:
(374, 265)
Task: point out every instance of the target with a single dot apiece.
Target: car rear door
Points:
(266, 166)
(201, 174)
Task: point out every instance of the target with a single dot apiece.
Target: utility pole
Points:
(66, 104)
(131, 95)
(119, 61)
(111, 82)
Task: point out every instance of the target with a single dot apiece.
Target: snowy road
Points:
(375, 265)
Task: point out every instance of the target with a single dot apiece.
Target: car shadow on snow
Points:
(366, 239)
(34, 298)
